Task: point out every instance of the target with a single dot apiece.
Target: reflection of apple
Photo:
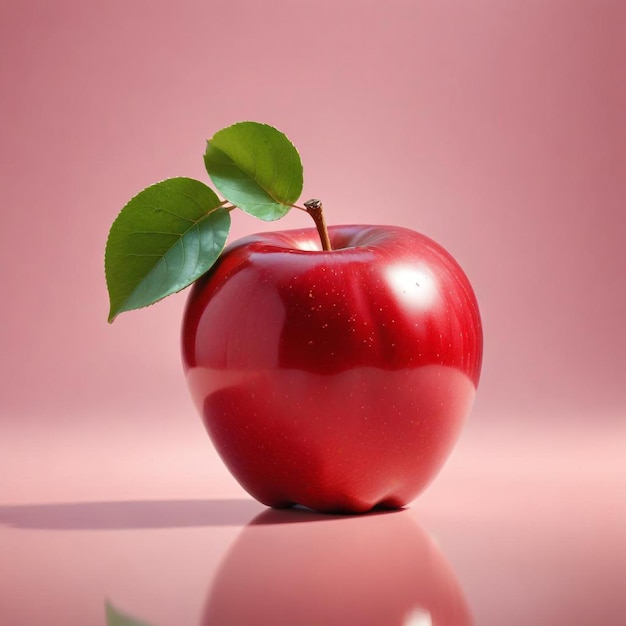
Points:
(339, 379)
(294, 567)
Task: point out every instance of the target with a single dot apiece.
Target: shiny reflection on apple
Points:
(414, 285)
(290, 567)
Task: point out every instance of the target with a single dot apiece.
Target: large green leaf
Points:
(256, 167)
(165, 238)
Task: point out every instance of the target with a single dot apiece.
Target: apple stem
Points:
(315, 210)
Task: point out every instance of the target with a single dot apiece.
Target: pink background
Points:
(495, 127)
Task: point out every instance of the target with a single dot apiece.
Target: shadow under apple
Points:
(129, 514)
(296, 567)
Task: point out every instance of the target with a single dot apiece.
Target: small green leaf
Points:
(164, 239)
(256, 167)
(117, 618)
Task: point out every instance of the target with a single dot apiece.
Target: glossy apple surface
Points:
(338, 380)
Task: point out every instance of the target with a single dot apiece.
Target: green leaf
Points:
(117, 618)
(256, 167)
(164, 239)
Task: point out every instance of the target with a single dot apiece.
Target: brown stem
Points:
(315, 210)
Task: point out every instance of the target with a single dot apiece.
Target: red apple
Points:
(337, 380)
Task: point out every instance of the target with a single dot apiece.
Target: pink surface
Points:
(529, 527)
(496, 128)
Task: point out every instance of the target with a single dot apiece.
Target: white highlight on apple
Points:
(415, 286)
(418, 617)
(309, 245)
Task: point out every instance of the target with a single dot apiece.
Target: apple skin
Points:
(337, 380)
